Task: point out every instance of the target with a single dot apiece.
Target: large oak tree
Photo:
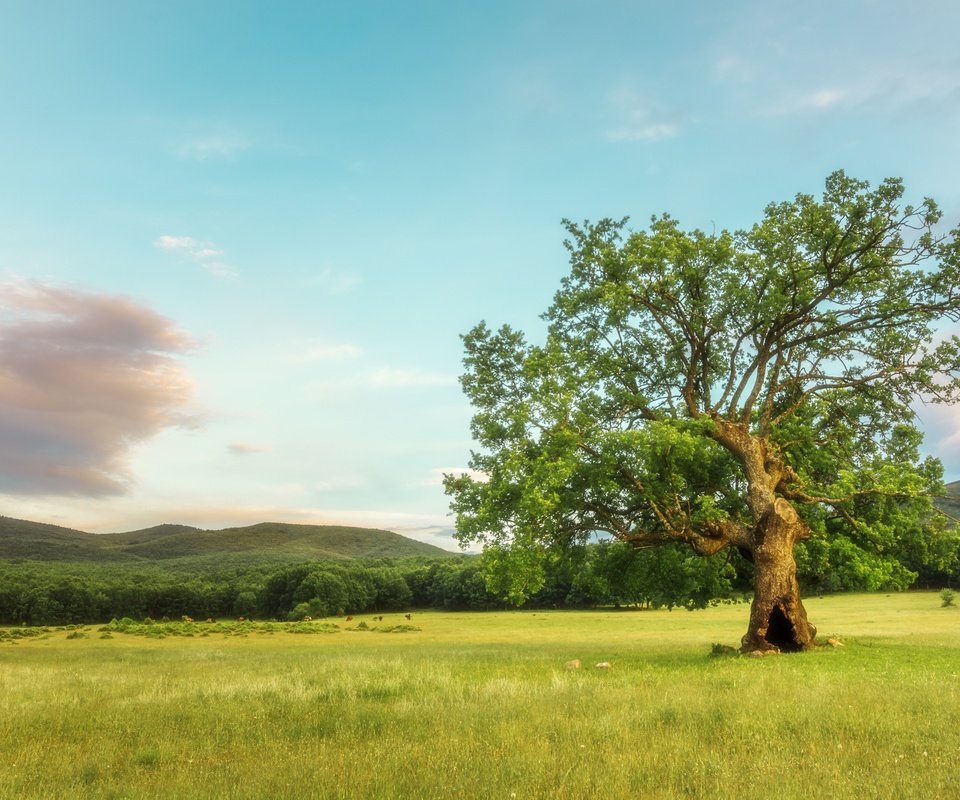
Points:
(730, 391)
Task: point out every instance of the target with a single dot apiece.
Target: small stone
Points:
(603, 665)
(835, 643)
(573, 664)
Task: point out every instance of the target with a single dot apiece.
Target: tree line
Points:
(605, 573)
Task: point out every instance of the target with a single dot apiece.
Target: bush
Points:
(947, 597)
(299, 611)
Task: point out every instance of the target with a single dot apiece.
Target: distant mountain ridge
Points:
(266, 541)
(950, 505)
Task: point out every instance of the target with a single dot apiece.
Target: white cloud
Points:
(328, 351)
(442, 536)
(218, 269)
(386, 378)
(880, 90)
(203, 254)
(817, 100)
(643, 119)
(824, 98)
(175, 243)
(336, 282)
(733, 68)
(224, 144)
(783, 75)
(644, 132)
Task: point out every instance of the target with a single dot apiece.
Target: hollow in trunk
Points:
(778, 620)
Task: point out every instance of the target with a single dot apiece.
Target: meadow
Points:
(481, 705)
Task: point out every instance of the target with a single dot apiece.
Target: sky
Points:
(239, 241)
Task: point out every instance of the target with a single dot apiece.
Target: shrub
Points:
(947, 597)
(300, 611)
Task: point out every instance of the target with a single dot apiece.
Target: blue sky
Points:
(239, 240)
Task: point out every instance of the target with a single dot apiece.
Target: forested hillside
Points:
(268, 542)
(52, 576)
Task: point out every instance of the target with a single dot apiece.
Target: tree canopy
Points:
(731, 391)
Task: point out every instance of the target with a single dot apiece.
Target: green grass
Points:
(481, 706)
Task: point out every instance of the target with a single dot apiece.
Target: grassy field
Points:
(481, 706)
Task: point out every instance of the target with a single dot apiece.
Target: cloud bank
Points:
(83, 377)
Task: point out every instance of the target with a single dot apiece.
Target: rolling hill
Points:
(265, 542)
(950, 505)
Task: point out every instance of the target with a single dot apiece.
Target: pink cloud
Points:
(83, 377)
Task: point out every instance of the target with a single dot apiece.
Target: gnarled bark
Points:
(778, 620)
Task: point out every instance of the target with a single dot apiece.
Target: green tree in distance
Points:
(743, 391)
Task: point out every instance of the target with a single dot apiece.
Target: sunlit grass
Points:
(481, 706)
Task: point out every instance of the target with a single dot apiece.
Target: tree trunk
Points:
(778, 620)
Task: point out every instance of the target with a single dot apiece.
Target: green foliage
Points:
(664, 577)
(688, 379)
(401, 628)
(35, 593)
(246, 604)
(839, 564)
(458, 587)
(605, 573)
(947, 597)
(393, 594)
(160, 630)
(514, 573)
(14, 635)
